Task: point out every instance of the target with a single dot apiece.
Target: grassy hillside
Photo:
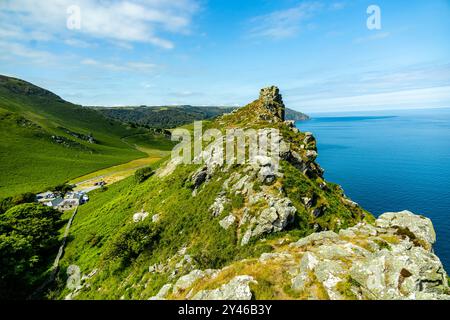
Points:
(123, 259)
(46, 140)
(174, 116)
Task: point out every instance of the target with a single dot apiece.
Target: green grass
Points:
(31, 161)
(105, 224)
(104, 236)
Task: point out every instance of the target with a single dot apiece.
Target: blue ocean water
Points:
(391, 161)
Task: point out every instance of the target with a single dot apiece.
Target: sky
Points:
(321, 54)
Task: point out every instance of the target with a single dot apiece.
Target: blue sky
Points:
(162, 52)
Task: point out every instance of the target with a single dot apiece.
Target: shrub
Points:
(143, 174)
(237, 201)
(131, 241)
(28, 234)
(10, 202)
(63, 188)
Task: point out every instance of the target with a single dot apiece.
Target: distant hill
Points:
(46, 140)
(174, 116)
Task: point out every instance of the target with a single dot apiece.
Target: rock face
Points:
(188, 280)
(374, 262)
(367, 262)
(275, 218)
(271, 99)
(218, 206)
(418, 227)
(237, 289)
(140, 216)
(227, 221)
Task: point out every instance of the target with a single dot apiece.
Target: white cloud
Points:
(417, 98)
(373, 37)
(375, 88)
(116, 20)
(18, 51)
(127, 66)
(338, 5)
(284, 23)
(79, 43)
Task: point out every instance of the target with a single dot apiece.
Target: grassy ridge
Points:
(32, 160)
(105, 238)
(174, 116)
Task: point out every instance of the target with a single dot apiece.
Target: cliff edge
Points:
(261, 230)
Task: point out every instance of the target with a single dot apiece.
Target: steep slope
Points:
(46, 140)
(174, 116)
(239, 231)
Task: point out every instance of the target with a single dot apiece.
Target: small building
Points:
(73, 195)
(68, 204)
(54, 203)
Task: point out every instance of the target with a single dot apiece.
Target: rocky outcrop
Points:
(162, 293)
(276, 217)
(391, 260)
(140, 216)
(237, 289)
(199, 177)
(188, 280)
(227, 221)
(219, 205)
(86, 137)
(367, 261)
(271, 100)
(418, 228)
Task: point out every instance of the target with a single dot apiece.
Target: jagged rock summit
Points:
(272, 100)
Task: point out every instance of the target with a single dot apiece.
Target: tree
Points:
(10, 202)
(63, 188)
(143, 174)
(28, 236)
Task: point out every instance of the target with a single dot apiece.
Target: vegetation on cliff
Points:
(203, 216)
(174, 116)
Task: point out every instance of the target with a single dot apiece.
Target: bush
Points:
(143, 174)
(63, 188)
(10, 202)
(237, 201)
(131, 241)
(28, 234)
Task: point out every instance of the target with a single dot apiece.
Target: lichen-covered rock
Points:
(218, 206)
(140, 216)
(271, 99)
(265, 257)
(186, 281)
(237, 289)
(311, 155)
(408, 223)
(227, 221)
(361, 263)
(163, 292)
(319, 237)
(275, 218)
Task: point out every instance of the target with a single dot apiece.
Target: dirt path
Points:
(116, 173)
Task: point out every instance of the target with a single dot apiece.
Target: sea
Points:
(390, 161)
